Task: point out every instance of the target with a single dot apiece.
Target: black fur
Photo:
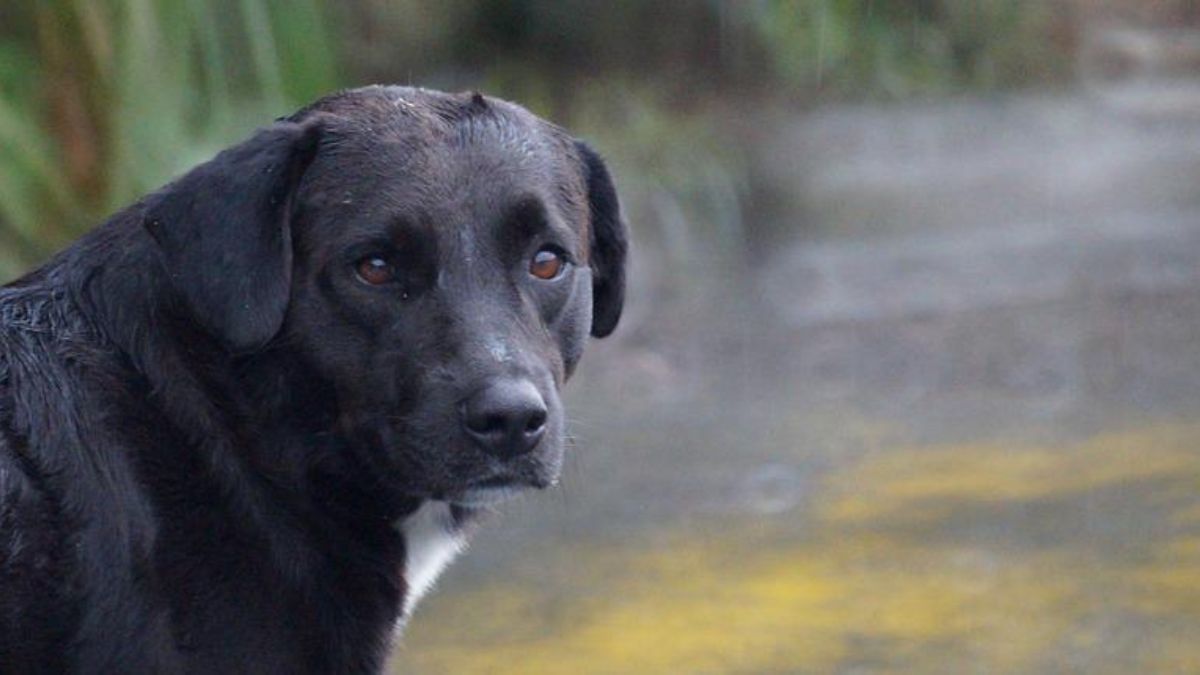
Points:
(210, 429)
(225, 234)
(609, 241)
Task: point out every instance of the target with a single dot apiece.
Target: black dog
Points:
(243, 423)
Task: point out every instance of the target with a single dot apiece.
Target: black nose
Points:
(506, 418)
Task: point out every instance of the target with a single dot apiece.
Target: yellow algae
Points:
(1170, 580)
(1190, 515)
(1176, 655)
(667, 623)
(752, 597)
(930, 481)
(800, 608)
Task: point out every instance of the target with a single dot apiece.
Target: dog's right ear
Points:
(225, 233)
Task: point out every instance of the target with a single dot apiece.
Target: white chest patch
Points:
(431, 541)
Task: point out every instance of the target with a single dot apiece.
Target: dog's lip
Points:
(494, 490)
(486, 496)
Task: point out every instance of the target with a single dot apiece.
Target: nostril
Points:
(488, 424)
(506, 418)
(536, 421)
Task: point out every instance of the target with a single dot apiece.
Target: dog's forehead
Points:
(417, 148)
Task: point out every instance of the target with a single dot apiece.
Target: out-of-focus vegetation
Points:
(852, 48)
(693, 49)
(102, 101)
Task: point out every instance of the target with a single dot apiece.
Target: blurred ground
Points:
(950, 427)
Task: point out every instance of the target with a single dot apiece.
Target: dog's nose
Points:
(506, 418)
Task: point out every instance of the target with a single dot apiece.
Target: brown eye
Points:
(375, 270)
(546, 264)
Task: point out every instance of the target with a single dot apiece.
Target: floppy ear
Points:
(225, 234)
(609, 242)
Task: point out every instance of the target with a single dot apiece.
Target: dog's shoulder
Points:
(35, 563)
(72, 517)
(48, 352)
(30, 523)
(30, 515)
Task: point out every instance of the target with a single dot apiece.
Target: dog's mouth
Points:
(485, 496)
(496, 490)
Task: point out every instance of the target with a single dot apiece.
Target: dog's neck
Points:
(434, 535)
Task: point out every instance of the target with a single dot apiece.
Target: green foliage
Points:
(898, 48)
(682, 184)
(102, 101)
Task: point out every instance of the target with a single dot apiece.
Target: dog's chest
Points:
(432, 539)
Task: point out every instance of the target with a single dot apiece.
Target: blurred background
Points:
(909, 374)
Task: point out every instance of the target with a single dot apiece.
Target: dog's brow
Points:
(528, 217)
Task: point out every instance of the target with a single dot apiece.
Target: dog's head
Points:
(436, 262)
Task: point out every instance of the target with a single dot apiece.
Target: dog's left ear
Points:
(609, 243)
(224, 231)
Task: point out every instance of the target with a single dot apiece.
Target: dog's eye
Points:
(546, 264)
(375, 270)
